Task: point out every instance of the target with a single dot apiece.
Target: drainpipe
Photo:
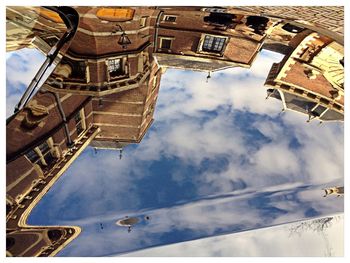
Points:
(71, 19)
(65, 123)
(156, 33)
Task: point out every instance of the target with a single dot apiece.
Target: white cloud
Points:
(196, 122)
(272, 241)
(21, 67)
(276, 158)
(186, 131)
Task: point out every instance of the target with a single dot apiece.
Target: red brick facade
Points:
(104, 90)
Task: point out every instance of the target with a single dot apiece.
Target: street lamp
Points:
(208, 77)
(124, 40)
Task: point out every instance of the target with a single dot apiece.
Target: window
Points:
(115, 67)
(80, 68)
(165, 43)
(46, 152)
(41, 155)
(115, 14)
(51, 41)
(33, 156)
(292, 28)
(318, 110)
(143, 21)
(214, 10)
(79, 123)
(169, 18)
(213, 44)
(54, 234)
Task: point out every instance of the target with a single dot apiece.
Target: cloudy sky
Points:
(21, 67)
(293, 239)
(219, 159)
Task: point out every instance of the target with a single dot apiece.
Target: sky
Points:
(21, 67)
(294, 239)
(219, 159)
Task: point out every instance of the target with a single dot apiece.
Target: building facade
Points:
(310, 78)
(104, 88)
(208, 39)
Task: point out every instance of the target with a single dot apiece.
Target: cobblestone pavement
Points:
(327, 17)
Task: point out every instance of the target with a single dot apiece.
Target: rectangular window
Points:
(165, 43)
(115, 67)
(79, 123)
(213, 44)
(33, 156)
(46, 152)
(41, 155)
(168, 18)
(143, 21)
(318, 110)
(78, 70)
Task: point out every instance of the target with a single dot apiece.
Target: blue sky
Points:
(218, 159)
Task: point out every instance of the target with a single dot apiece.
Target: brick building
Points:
(208, 39)
(123, 79)
(33, 27)
(104, 89)
(310, 79)
(101, 93)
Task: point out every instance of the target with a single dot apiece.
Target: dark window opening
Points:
(258, 23)
(223, 19)
(170, 18)
(213, 44)
(318, 110)
(54, 235)
(342, 62)
(78, 123)
(78, 69)
(77, 117)
(49, 158)
(45, 150)
(292, 29)
(10, 242)
(296, 103)
(274, 94)
(33, 156)
(215, 9)
(51, 41)
(80, 128)
(165, 43)
(8, 208)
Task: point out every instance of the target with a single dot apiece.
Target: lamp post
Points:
(208, 77)
(124, 40)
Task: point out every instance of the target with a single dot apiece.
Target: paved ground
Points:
(327, 17)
